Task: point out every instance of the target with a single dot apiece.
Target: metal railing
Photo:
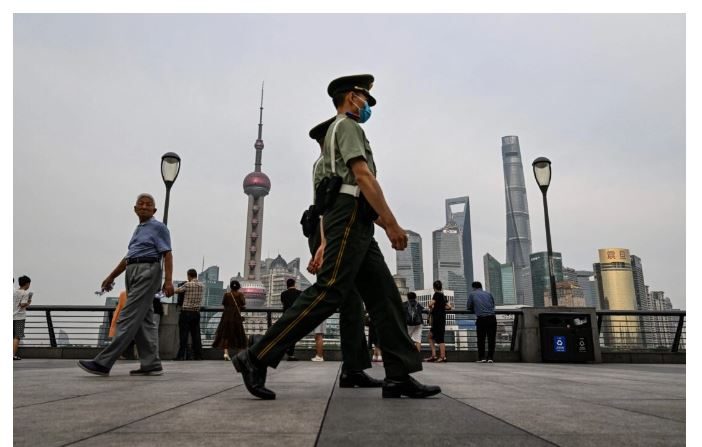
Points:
(629, 330)
(87, 326)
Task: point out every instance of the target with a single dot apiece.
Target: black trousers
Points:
(291, 350)
(486, 326)
(189, 324)
(352, 261)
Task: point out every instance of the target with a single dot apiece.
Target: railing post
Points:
(678, 334)
(50, 326)
(599, 324)
(514, 332)
(269, 318)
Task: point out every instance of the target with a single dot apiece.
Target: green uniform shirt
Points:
(351, 142)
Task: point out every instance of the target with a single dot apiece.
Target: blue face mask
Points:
(364, 113)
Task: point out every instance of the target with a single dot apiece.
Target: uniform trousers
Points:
(352, 259)
(354, 349)
(136, 320)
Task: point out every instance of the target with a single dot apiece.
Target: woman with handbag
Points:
(230, 331)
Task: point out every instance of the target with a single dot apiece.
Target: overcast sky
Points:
(99, 98)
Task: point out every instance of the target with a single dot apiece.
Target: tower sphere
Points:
(257, 184)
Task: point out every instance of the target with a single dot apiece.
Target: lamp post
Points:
(170, 166)
(542, 173)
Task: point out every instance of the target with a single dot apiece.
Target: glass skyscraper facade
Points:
(458, 212)
(518, 227)
(540, 279)
(493, 278)
(409, 262)
(448, 262)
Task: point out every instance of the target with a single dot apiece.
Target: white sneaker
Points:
(317, 358)
(490, 361)
(480, 361)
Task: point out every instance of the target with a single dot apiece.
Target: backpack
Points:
(413, 314)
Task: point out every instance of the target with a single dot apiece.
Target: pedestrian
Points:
(414, 320)
(351, 256)
(189, 318)
(482, 304)
(287, 298)
(438, 307)
(319, 341)
(22, 299)
(230, 331)
(150, 244)
(354, 350)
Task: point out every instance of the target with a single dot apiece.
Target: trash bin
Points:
(566, 337)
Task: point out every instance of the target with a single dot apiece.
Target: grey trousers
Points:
(136, 320)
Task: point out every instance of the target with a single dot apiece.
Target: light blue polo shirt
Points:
(150, 240)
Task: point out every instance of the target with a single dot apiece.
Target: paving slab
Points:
(205, 403)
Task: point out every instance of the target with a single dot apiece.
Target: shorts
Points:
(415, 333)
(18, 329)
(321, 328)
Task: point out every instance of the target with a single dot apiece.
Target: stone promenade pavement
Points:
(205, 404)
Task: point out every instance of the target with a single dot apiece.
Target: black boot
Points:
(351, 379)
(254, 376)
(408, 387)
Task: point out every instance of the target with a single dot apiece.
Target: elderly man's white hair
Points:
(148, 196)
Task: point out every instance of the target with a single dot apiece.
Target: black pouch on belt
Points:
(309, 220)
(326, 192)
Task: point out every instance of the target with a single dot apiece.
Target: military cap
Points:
(360, 83)
(319, 131)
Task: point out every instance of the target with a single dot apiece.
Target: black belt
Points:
(142, 260)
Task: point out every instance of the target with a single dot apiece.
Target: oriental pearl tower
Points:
(257, 185)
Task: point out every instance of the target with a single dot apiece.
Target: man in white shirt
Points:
(22, 300)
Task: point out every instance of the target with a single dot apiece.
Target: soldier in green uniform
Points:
(354, 349)
(351, 257)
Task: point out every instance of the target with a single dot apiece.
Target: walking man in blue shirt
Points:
(150, 242)
(482, 304)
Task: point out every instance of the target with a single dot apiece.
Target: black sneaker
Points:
(93, 368)
(147, 372)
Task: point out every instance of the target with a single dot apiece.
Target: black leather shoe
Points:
(409, 387)
(352, 379)
(254, 377)
(93, 368)
(158, 371)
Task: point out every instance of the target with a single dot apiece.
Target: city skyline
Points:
(607, 118)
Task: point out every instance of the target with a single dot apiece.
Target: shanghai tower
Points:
(257, 185)
(518, 228)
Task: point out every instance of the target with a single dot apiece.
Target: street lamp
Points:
(170, 166)
(542, 173)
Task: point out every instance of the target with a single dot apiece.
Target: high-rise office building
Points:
(212, 296)
(448, 262)
(642, 302)
(615, 281)
(518, 227)
(569, 294)
(499, 281)
(586, 281)
(493, 278)
(458, 212)
(410, 262)
(274, 276)
(509, 288)
(540, 275)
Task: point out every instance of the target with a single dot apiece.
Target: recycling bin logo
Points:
(559, 343)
